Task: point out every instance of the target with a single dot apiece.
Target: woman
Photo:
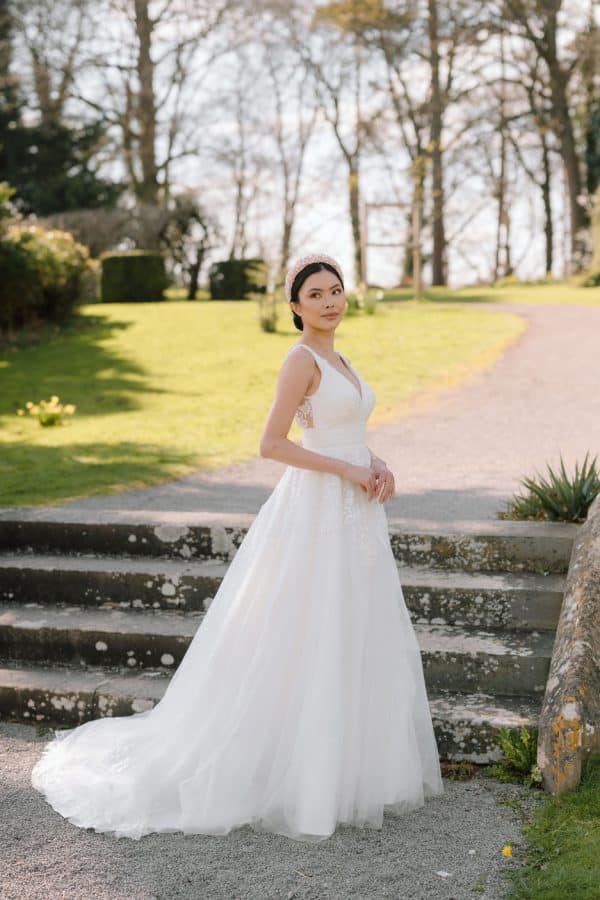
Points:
(300, 703)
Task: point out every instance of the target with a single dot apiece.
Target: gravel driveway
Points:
(451, 848)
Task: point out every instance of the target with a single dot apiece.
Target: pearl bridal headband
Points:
(306, 261)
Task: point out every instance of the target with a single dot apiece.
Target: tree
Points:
(537, 21)
(149, 69)
(294, 119)
(188, 234)
(54, 36)
(50, 162)
(410, 37)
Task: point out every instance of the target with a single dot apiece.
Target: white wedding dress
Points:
(300, 703)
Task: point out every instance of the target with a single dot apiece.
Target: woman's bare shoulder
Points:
(299, 369)
(299, 359)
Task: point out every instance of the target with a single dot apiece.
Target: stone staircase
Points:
(97, 612)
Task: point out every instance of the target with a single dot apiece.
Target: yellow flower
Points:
(507, 850)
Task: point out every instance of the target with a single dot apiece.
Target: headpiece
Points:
(306, 261)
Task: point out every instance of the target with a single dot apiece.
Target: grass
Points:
(162, 389)
(559, 294)
(563, 853)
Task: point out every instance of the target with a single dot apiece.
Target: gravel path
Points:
(459, 455)
(449, 850)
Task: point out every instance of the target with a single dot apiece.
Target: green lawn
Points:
(563, 854)
(162, 389)
(530, 294)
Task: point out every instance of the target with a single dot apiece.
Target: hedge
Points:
(233, 279)
(132, 275)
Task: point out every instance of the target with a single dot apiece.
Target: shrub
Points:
(592, 279)
(41, 275)
(90, 283)
(519, 757)
(7, 210)
(132, 275)
(268, 309)
(558, 497)
(234, 279)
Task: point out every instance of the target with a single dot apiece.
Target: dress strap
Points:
(312, 352)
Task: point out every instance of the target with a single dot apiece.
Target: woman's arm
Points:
(294, 379)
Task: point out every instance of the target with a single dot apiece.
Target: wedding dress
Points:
(300, 703)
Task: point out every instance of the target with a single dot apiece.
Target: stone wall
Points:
(569, 728)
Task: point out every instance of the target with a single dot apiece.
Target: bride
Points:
(300, 703)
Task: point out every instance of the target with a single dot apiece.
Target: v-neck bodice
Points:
(345, 363)
(336, 413)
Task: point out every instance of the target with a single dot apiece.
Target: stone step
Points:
(519, 602)
(487, 662)
(95, 637)
(136, 582)
(484, 600)
(490, 546)
(453, 658)
(466, 725)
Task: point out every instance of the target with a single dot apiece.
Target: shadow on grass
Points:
(72, 362)
(59, 473)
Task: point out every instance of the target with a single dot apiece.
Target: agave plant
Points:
(557, 497)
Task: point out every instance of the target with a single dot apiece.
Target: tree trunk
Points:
(418, 172)
(194, 274)
(546, 192)
(148, 187)
(564, 128)
(437, 174)
(354, 198)
(408, 258)
(286, 238)
(595, 268)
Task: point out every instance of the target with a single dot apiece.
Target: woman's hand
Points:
(363, 476)
(385, 484)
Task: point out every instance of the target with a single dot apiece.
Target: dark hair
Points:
(299, 280)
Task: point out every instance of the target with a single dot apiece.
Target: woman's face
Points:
(322, 301)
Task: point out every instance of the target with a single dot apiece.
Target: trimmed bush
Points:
(41, 275)
(234, 279)
(132, 275)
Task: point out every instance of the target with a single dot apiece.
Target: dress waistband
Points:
(313, 438)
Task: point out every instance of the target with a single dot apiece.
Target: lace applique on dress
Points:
(304, 414)
(365, 543)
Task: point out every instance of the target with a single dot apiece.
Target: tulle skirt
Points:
(299, 705)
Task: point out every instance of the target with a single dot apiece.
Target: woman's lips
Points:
(330, 316)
